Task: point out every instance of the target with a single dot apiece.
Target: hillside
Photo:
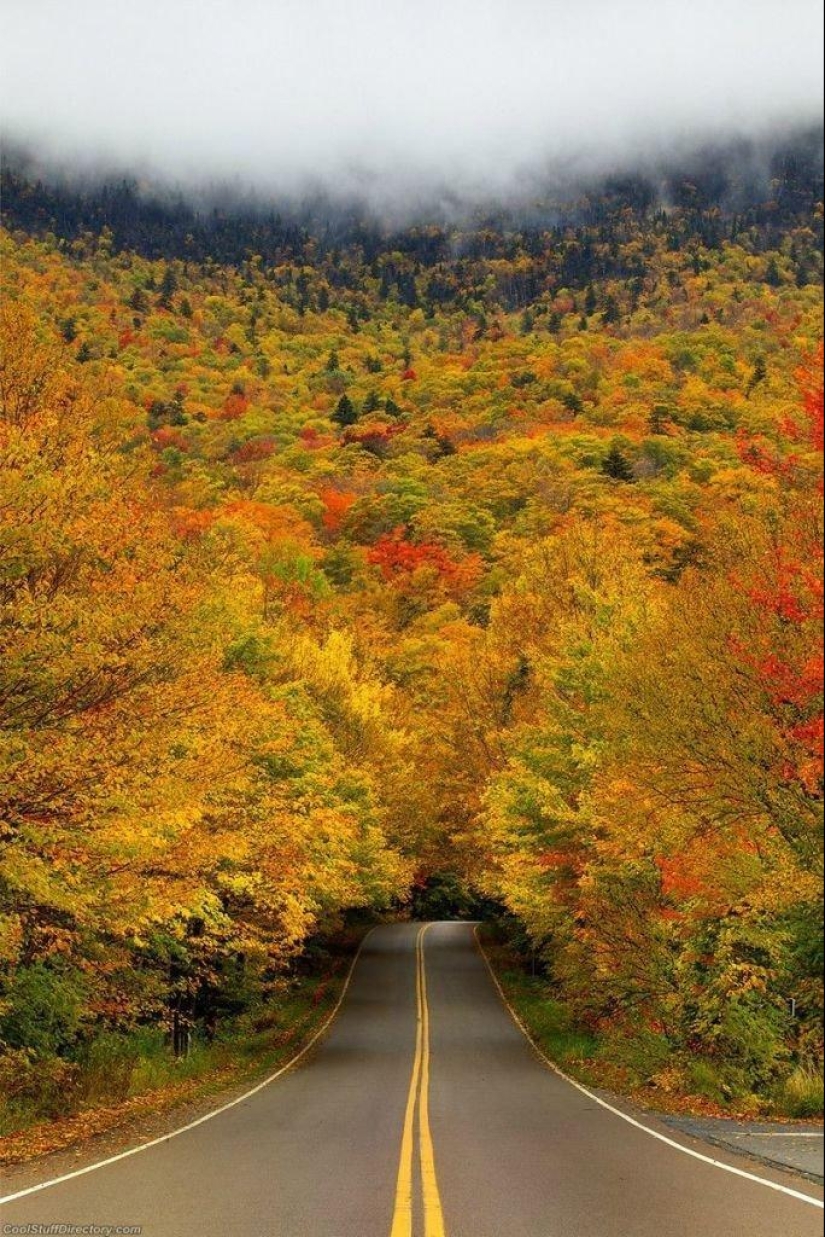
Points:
(476, 558)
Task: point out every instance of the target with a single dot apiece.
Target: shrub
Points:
(44, 1009)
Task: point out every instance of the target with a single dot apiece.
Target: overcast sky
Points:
(471, 93)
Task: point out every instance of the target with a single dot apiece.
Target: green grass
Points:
(547, 1020)
(705, 1080)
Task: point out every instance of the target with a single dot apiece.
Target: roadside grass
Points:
(802, 1093)
(642, 1066)
(546, 1019)
(122, 1076)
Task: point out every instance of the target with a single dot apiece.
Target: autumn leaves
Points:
(554, 636)
(176, 813)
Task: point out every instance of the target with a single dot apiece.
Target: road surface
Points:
(423, 1113)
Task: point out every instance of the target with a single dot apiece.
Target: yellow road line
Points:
(402, 1220)
(433, 1217)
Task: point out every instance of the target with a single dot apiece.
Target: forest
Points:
(471, 564)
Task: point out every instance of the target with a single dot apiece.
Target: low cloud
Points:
(389, 98)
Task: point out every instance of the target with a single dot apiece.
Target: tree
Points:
(759, 374)
(168, 288)
(139, 301)
(163, 806)
(773, 276)
(616, 465)
(345, 413)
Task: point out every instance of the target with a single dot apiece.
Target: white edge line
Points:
(124, 1155)
(617, 1112)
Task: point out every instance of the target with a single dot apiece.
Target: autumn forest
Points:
(471, 567)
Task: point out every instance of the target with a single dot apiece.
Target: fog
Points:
(389, 98)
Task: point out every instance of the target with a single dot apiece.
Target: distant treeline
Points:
(711, 197)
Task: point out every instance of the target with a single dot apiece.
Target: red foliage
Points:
(565, 861)
(809, 428)
(374, 438)
(792, 594)
(167, 436)
(314, 441)
(680, 879)
(234, 406)
(255, 449)
(336, 505)
(396, 556)
(804, 427)
(189, 524)
(399, 560)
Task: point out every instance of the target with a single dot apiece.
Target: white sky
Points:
(473, 94)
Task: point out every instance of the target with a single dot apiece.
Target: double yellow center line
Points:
(419, 1096)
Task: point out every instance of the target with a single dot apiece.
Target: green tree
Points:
(616, 464)
(345, 413)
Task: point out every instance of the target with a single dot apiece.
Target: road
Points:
(424, 1112)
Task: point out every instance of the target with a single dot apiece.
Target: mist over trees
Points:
(718, 191)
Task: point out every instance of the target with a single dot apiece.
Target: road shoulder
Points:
(795, 1147)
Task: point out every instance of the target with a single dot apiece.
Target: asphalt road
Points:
(423, 1113)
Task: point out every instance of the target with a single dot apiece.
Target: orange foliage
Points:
(336, 505)
(395, 556)
(233, 407)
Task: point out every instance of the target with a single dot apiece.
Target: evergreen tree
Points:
(68, 329)
(616, 464)
(139, 301)
(168, 288)
(773, 275)
(345, 413)
(611, 313)
(760, 373)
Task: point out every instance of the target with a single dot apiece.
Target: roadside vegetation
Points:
(649, 1067)
(121, 1076)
